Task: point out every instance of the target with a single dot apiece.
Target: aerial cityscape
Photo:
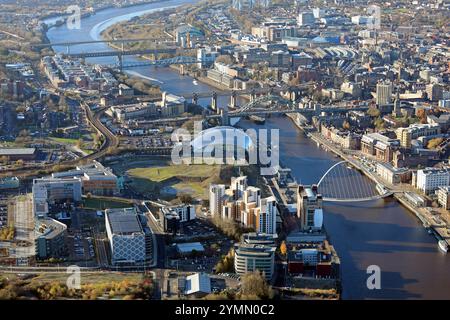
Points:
(224, 150)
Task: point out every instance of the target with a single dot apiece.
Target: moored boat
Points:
(443, 245)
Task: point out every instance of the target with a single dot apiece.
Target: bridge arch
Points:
(341, 183)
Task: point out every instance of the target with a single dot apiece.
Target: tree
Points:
(379, 123)
(225, 59)
(433, 143)
(283, 248)
(186, 198)
(79, 143)
(373, 112)
(254, 285)
(422, 115)
(346, 125)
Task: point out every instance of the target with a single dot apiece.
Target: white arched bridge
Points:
(343, 183)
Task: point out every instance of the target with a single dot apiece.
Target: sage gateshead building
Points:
(130, 240)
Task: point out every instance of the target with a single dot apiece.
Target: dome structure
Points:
(226, 140)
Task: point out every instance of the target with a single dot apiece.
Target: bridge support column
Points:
(293, 96)
(214, 105)
(120, 60)
(68, 49)
(195, 98)
(253, 96)
(233, 100)
(224, 116)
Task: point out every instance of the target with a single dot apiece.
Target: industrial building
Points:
(95, 179)
(126, 236)
(14, 154)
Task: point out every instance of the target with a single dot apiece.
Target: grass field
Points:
(89, 277)
(159, 174)
(65, 140)
(103, 203)
(172, 180)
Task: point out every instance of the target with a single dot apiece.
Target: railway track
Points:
(110, 142)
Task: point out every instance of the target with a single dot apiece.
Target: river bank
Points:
(379, 232)
(424, 217)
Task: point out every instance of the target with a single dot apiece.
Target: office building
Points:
(430, 179)
(95, 178)
(126, 236)
(49, 191)
(50, 236)
(254, 257)
(309, 208)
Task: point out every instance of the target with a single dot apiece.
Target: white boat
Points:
(195, 83)
(443, 245)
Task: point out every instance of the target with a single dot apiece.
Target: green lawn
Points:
(159, 174)
(105, 203)
(176, 179)
(65, 140)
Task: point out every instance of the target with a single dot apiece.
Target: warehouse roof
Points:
(16, 151)
(123, 221)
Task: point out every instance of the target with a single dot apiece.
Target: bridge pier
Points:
(214, 105)
(293, 96)
(120, 60)
(67, 49)
(253, 96)
(224, 116)
(233, 100)
(195, 98)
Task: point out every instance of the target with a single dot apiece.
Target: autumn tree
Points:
(373, 112)
(346, 125)
(225, 59)
(283, 248)
(433, 143)
(255, 286)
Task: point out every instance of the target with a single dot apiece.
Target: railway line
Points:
(110, 142)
